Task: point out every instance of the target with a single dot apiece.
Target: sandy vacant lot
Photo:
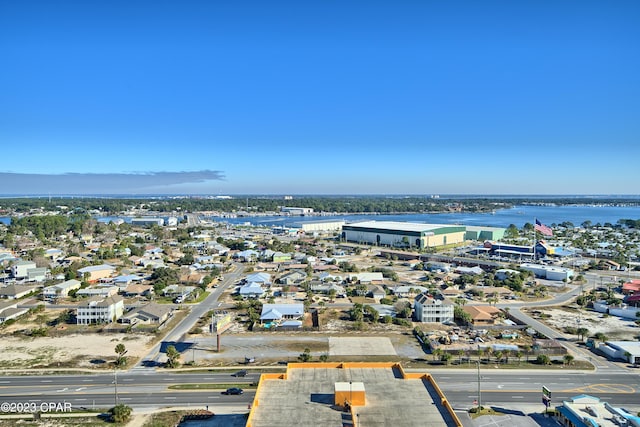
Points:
(80, 350)
(613, 327)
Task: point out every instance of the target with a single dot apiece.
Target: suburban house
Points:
(251, 290)
(16, 291)
(97, 272)
(246, 256)
(149, 314)
(99, 291)
(631, 287)
(38, 274)
(100, 310)
(178, 291)
(376, 291)
(367, 278)
(293, 278)
(281, 312)
(9, 310)
(261, 278)
(404, 291)
(482, 314)
(135, 289)
(325, 288)
(495, 291)
(281, 257)
(61, 290)
(19, 269)
(432, 310)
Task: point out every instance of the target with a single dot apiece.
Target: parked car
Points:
(233, 390)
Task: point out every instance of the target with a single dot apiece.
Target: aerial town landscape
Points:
(353, 213)
(142, 311)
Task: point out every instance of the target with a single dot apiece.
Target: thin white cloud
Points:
(102, 183)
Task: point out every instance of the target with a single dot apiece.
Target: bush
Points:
(120, 413)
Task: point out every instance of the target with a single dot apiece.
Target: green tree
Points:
(568, 359)
(305, 356)
(543, 359)
(120, 413)
(173, 356)
(121, 351)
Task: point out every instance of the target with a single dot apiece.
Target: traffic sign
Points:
(546, 392)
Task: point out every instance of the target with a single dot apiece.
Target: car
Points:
(233, 390)
(242, 373)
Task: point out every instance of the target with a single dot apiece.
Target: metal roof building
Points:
(403, 234)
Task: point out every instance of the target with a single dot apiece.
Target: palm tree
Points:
(436, 353)
(568, 359)
(519, 355)
(582, 332)
(498, 355)
(121, 351)
(601, 336)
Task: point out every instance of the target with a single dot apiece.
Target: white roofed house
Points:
(100, 310)
(293, 278)
(251, 290)
(367, 278)
(61, 290)
(39, 274)
(262, 278)
(20, 268)
(281, 312)
(16, 291)
(149, 314)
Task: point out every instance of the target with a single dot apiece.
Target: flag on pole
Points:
(543, 228)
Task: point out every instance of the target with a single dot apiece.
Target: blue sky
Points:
(320, 97)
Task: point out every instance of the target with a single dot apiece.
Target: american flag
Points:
(543, 228)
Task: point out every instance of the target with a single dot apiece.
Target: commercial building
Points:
(484, 233)
(589, 411)
(147, 221)
(296, 210)
(432, 310)
(357, 394)
(403, 234)
(622, 350)
(548, 272)
(320, 226)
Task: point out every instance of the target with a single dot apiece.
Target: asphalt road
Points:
(512, 389)
(156, 356)
(506, 388)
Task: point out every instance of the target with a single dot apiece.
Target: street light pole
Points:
(479, 395)
(115, 382)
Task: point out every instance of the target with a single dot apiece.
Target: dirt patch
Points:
(567, 319)
(86, 350)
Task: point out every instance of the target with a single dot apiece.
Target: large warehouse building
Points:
(403, 234)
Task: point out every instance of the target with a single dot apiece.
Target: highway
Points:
(510, 388)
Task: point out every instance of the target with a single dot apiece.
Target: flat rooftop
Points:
(304, 397)
(399, 226)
